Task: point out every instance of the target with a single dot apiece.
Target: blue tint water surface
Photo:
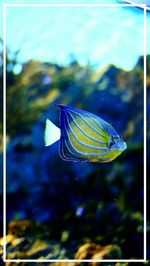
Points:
(99, 35)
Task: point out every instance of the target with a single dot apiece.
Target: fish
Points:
(138, 3)
(84, 137)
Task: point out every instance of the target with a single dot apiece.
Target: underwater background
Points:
(92, 59)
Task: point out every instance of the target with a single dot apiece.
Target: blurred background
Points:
(90, 58)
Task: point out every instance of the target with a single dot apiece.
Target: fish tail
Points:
(51, 133)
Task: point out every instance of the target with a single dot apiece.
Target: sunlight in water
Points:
(99, 35)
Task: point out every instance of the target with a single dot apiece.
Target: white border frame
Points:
(4, 132)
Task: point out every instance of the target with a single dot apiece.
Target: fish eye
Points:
(116, 137)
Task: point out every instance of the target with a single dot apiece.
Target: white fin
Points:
(51, 134)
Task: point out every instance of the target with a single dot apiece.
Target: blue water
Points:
(99, 35)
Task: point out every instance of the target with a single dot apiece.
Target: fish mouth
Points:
(122, 147)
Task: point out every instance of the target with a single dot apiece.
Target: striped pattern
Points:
(84, 136)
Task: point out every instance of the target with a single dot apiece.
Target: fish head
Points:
(117, 144)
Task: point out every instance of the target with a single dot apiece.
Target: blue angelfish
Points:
(84, 137)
